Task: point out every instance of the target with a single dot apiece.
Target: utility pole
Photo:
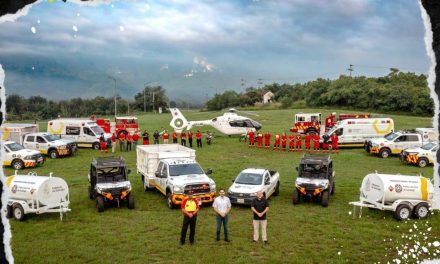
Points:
(114, 79)
(350, 69)
(153, 102)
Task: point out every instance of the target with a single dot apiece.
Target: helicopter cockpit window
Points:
(248, 123)
(214, 119)
(236, 123)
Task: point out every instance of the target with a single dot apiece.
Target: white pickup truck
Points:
(19, 157)
(422, 156)
(394, 143)
(173, 170)
(49, 144)
(250, 181)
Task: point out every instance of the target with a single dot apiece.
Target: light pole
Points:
(114, 79)
(145, 87)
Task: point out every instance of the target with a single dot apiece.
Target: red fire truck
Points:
(122, 124)
(306, 123)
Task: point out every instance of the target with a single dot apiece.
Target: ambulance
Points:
(354, 132)
(17, 131)
(84, 132)
(18, 157)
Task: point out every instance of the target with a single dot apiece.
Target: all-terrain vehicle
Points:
(315, 179)
(109, 182)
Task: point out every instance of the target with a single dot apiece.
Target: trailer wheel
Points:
(170, 201)
(277, 189)
(421, 210)
(422, 162)
(17, 164)
(53, 154)
(18, 212)
(385, 153)
(9, 211)
(296, 197)
(324, 198)
(96, 146)
(333, 188)
(403, 212)
(100, 203)
(130, 201)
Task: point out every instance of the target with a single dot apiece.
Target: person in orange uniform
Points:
(103, 144)
(251, 138)
(260, 140)
(298, 142)
(316, 142)
(183, 138)
(165, 137)
(190, 208)
(121, 138)
(175, 136)
(129, 138)
(135, 139)
(335, 142)
(190, 138)
(307, 139)
(267, 140)
(291, 142)
(284, 141)
(199, 139)
(277, 142)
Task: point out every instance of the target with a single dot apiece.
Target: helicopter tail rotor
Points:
(178, 122)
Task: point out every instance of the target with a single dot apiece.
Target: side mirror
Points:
(267, 183)
(233, 180)
(157, 173)
(128, 171)
(209, 171)
(296, 168)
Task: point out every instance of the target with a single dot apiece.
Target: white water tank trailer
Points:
(36, 194)
(405, 195)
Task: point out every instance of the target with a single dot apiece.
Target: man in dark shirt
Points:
(156, 137)
(260, 206)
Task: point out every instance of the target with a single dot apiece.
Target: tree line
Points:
(395, 92)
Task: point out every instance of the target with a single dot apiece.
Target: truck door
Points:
(414, 141)
(399, 144)
(88, 136)
(269, 188)
(41, 144)
(164, 179)
(157, 180)
(29, 142)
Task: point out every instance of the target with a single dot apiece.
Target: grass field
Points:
(305, 233)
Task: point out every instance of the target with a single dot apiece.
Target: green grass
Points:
(305, 233)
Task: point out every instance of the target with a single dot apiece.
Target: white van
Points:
(84, 132)
(354, 132)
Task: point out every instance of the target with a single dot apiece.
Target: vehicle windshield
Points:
(14, 146)
(185, 169)
(112, 174)
(391, 136)
(428, 146)
(97, 130)
(249, 179)
(313, 171)
(51, 138)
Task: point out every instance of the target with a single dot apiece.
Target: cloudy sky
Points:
(197, 48)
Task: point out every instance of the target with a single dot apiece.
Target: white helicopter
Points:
(229, 123)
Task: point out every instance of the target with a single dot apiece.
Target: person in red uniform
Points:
(145, 138)
(277, 142)
(335, 142)
(307, 140)
(298, 142)
(291, 142)
(316, 142)
(103, 144)
(284, 141)
(190, 208)
(190, 138)
(183, 138)
(113, 139)
(251, 138)
(121, 138)
(199, 139)
(175, 136)
(129, 138)
(165, 137)
(260, 140)
(267, 140)
(135, 139)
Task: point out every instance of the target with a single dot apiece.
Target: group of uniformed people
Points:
(292, 142)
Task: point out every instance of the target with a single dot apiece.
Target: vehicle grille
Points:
(36, 156)
(197, 188)
(308, 186)
(114, 191)
(241, 195)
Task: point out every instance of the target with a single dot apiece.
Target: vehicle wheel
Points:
(100, 203)
(311, 131)
(384, 153)
(277, 189)
(170, 201)
(17, 164)
(96, 146)
(296, 197)
(130, 201)
(90, 193)
(53, 154)
(421, 210)
(9, 211)
(422, 162)
(333, 188)
(403, 212)
(325, 198)
(18, 212)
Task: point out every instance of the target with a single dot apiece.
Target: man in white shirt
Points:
(222, 206)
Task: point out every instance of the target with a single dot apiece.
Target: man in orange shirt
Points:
(183, 138)
(298, 144)
(267, 140)
(199, 139)
(190, 138)
(175, 136)
(165, 136)
(129, 141)
(316, 141)
(277, 142)
(307, 140)
(284, 141)
(251, 138)
(189, 208)
(260, 140)
(291, 142)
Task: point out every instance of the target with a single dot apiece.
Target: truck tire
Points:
(130, 201)
(421, 210)
(170, 201)
(95, 146)
(9, 211)
(53, 154)
(422, 162)
(333, 188)
(325, 198)
(18, 212)
(311, 131)
(296, 197)
(100, 203)
(277, 189)
(384, 153)
(403, 212)
(17, 164)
